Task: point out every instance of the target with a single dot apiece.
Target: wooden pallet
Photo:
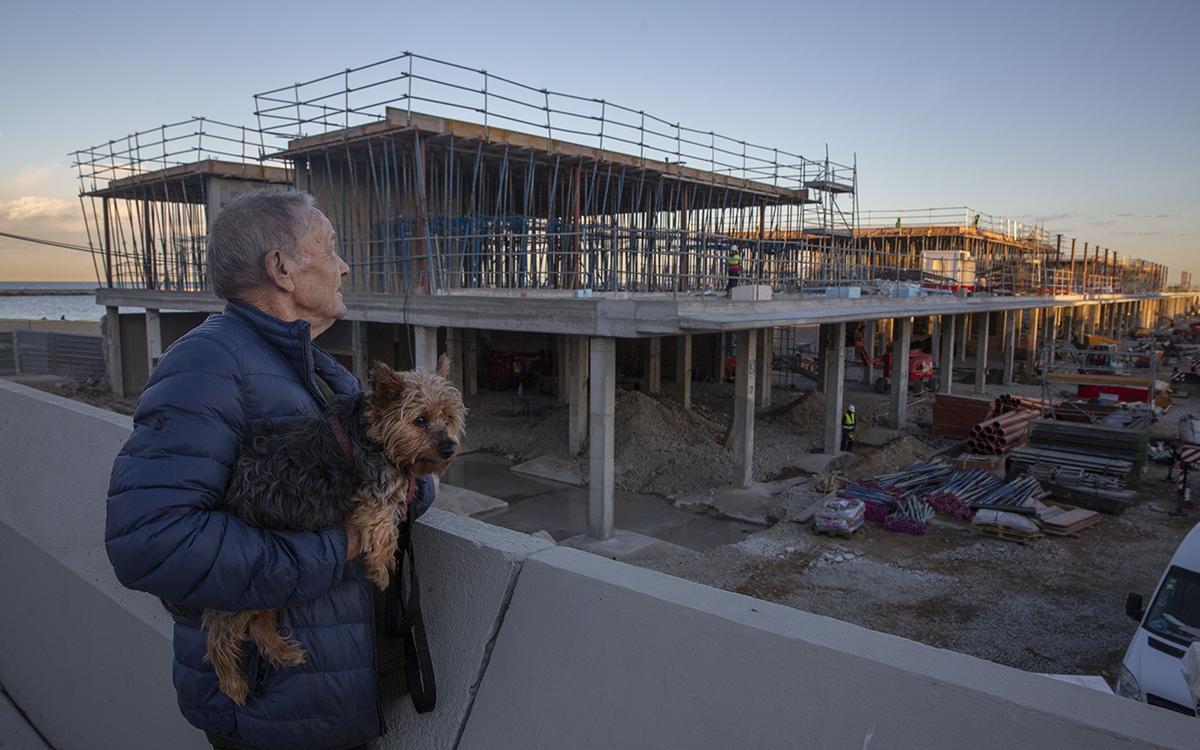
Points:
(1011, 535)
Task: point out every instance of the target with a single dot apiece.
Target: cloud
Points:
(1126, 216)
(1149, 234)
(1047, 218)
(1102, 223)
(37, 207)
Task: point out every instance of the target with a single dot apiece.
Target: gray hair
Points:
(247, 229)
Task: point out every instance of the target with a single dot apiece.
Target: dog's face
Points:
(418, 417)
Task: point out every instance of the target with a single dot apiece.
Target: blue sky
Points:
(1082, 114)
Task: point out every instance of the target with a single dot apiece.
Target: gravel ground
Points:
(1055, 605)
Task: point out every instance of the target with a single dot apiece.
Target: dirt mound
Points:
(891, 457)
(806, 412)
(661, 448)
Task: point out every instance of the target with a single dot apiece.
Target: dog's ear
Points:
(386, 383)
(443, 366)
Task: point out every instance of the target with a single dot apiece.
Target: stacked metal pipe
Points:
(1026, 458)
(1000, 434)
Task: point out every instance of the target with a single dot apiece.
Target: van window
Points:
(1175, 613)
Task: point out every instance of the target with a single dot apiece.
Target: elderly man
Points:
(273, 257)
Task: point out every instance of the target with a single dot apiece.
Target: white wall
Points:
(534, 646)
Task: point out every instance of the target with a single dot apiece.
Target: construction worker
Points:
(849, 419)
(733, 268)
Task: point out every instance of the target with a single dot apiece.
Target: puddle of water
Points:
(540, 504)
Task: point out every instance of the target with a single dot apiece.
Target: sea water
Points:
(54, 307)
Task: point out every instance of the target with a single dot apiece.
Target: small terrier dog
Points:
(355, 466)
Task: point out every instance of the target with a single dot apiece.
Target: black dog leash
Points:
(402, 618)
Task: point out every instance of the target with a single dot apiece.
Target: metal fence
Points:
(41, 353)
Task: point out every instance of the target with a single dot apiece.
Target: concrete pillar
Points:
(823, 348)
(833, 339)
(1010, 344)
(425, 351)
(577, 392)
(1031, 363)
(766, 352)
(358, 350)
(683, 369)
(456, 347)
(719, 359)
(601, 418)
(562, 348)
(945, 363)
(935, 336)
(471, 362)
(112, 343)
(869, 343)
(981, 351)
(964, 331)
(743, 408)
(153, 338)
(653, 365)
(900, 346)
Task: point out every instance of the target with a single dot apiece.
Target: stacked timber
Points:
(953, 416)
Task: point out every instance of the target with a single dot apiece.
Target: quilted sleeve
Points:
(164, 534)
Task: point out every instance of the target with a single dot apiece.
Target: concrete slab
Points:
(555, 469)
(623, 544)
(15, 731)
(466, 502)
(876, 436)
(762, 504)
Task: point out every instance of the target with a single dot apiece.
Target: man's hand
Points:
(353, 543)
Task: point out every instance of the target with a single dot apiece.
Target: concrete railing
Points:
(534, 645)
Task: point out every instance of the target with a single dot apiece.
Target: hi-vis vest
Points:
(735, 263)
(848, 420)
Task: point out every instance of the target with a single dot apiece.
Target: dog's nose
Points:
(446, 448)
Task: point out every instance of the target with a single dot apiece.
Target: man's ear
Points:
(443, 366)
(386, 383)
(279, 266)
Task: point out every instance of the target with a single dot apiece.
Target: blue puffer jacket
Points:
(238, 372)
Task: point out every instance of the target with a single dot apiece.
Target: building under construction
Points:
(479, 214)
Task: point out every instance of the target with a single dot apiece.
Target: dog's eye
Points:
(420, 421)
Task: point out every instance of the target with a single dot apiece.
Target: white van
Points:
(1153, 667)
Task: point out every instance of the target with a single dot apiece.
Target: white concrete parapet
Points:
(534, 646)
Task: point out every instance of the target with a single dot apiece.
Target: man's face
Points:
(318, 275)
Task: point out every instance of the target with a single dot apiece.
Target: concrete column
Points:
(766, 352)
(112, 342)
(577, 392)
(833, 338)
(964, 331)
(743, 408)
(981, 351)
(562, 350)
(1031, 363)
(471, 362)
(935, 336)
(654, 365)
(869, 343)
(683, 369)
(358, 350)
(425, 351)
(945, 363)
(456, 347)
(153, 338)
(601, 418)
(1010, 344)
(900, 346)
(823, 344)
(719, 359)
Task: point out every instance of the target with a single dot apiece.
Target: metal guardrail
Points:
(8, 358)
(42, 353)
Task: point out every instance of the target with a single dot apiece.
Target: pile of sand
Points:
(891, 457)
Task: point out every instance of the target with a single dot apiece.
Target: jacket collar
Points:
(293, 340)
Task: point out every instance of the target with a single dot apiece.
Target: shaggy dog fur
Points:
(300, 479)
